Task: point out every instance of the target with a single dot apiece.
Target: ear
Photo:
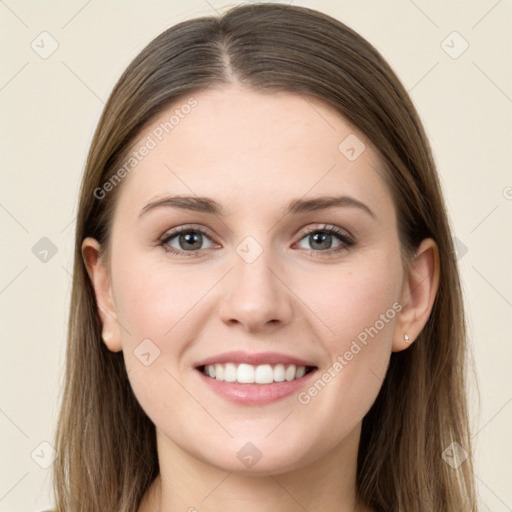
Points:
(418, 294)
(101, 282)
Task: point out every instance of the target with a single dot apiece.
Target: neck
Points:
(185, 483)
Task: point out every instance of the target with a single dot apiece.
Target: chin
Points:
(258, 458)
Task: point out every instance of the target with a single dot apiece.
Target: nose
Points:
(256, 296)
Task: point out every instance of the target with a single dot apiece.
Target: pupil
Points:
(323, 239)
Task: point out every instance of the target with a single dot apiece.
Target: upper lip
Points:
(255, 359)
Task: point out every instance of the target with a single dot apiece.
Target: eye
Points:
(189, 241)
(322, 239)
(185, 241)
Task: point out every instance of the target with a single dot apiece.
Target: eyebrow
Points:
(296, 206)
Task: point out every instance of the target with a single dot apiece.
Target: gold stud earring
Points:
(104, 337)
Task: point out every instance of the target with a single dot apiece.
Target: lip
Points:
(254, 359)
(256, 394)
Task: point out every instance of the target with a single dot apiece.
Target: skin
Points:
(253, 153)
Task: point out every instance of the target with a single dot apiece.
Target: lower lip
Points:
(255, 394)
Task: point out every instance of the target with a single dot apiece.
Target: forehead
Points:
(253, 149)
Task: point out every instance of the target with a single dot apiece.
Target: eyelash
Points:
(345, 238)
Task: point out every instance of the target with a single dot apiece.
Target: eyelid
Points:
(184, 227)
(328, 228)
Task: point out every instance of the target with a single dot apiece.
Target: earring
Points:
(406, 338)
(104, 337)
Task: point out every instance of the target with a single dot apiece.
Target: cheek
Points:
(358, 309)
(155, 306)
(152, 299)
(355, 298)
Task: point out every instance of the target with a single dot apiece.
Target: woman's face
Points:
(256, 283)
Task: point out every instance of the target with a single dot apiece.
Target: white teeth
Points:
(245, 374)
(290, 372)
(279, 372)
(249, 374)
(219, 372)
(229, 372)
(264, 374)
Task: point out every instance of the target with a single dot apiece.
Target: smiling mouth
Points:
(251, 374)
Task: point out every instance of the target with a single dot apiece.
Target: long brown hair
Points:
(106, 443)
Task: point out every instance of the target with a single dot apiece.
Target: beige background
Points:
(49, 111)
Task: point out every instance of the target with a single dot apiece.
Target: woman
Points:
(266, 311)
